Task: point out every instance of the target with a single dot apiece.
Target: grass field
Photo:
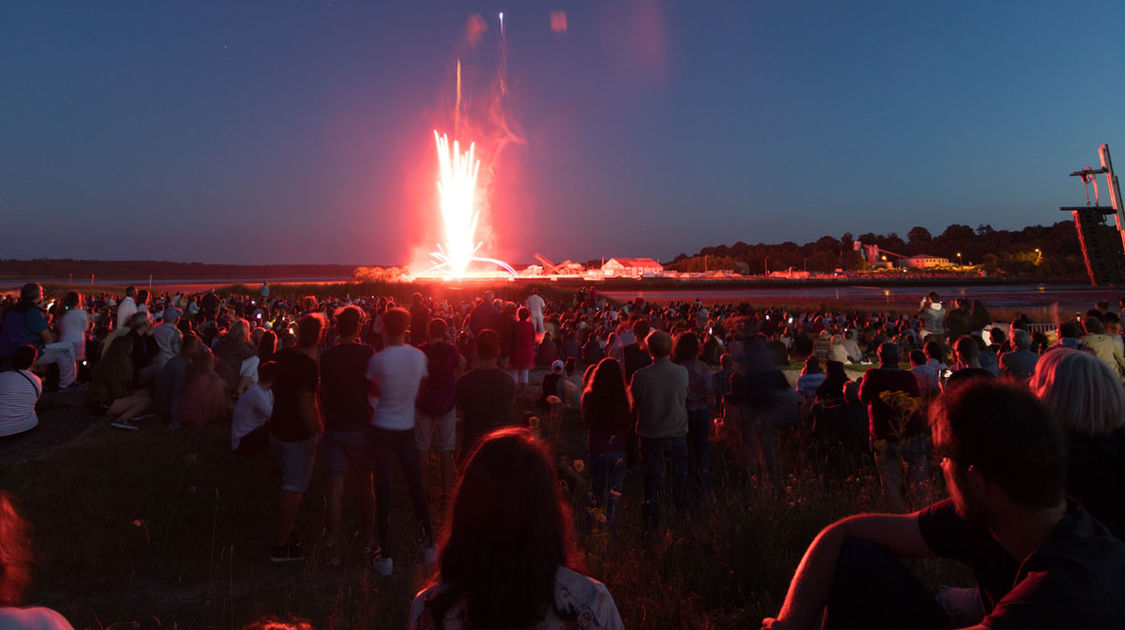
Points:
(169, 529)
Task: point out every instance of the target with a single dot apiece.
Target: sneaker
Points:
(124, 425)
(289, 552)
(381, 564)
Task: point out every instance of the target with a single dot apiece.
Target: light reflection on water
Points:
(1067, 296)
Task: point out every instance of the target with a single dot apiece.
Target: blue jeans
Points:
(699, 431)
(607, 476)
(653, 451)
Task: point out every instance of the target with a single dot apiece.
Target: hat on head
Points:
(172, 313)
(557, 367)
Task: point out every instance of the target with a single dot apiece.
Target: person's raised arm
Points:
(812, 582)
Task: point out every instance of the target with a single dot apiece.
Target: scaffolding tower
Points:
(1103, 247)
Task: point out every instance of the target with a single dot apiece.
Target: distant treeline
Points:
(61, 268)
(1002, 252)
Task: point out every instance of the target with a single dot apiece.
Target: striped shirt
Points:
(19, 391)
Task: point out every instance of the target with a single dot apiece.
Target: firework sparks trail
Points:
(457, 186)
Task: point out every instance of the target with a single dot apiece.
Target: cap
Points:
(557, 367)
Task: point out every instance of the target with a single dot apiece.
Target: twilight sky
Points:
(301, 131)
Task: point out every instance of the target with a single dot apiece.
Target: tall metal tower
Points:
(1102, 249)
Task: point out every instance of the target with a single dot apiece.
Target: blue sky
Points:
(300, 132)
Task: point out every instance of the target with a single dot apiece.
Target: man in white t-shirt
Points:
(395, 374)
(127, 307)
(19, 391)
(535, 304)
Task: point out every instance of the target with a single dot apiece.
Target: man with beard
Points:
(1040, 560)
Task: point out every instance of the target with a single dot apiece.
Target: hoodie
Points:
(933, 318)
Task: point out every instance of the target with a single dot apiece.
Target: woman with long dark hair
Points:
(506, 561)
(607, 414)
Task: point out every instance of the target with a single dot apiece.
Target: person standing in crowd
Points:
(535, 305)
(508, 558)
(346, 407)
(523, 355)
(19, 392)
(607, 414)
(419, 319)
(700, 401)
(898, 435)
(933, 317)
(660, 394)
(1040, 560)
(484, 315)
(396, 373)
(127, 307)
(435, 420)
(635, 355)
(295, 429)
(959, 320)
(25, 323)
(484, 395)
(73, 324)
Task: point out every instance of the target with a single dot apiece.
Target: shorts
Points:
(346, 448)
(296, 461)
(440, 429)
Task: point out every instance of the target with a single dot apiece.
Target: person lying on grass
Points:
(1040, 560)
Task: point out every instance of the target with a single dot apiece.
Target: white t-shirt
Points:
(125, 311)
(535, 304)
(252, 410)
(398, 370)
(72, 330)
(576, 596)
(19, 391)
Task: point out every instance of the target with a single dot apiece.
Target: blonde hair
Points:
(240, 329)
(1083, 392)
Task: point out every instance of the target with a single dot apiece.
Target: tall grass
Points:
(171, 530)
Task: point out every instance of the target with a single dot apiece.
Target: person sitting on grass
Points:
(114, 384)
(1089, 402)
(248, 432)
(170, 381)
(204, 398)
(508, 559)
(17, 557)
(19, 391)
(968, 362)
(1041, 561)
(25, 323)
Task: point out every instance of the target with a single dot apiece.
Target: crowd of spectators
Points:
(361, 383)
